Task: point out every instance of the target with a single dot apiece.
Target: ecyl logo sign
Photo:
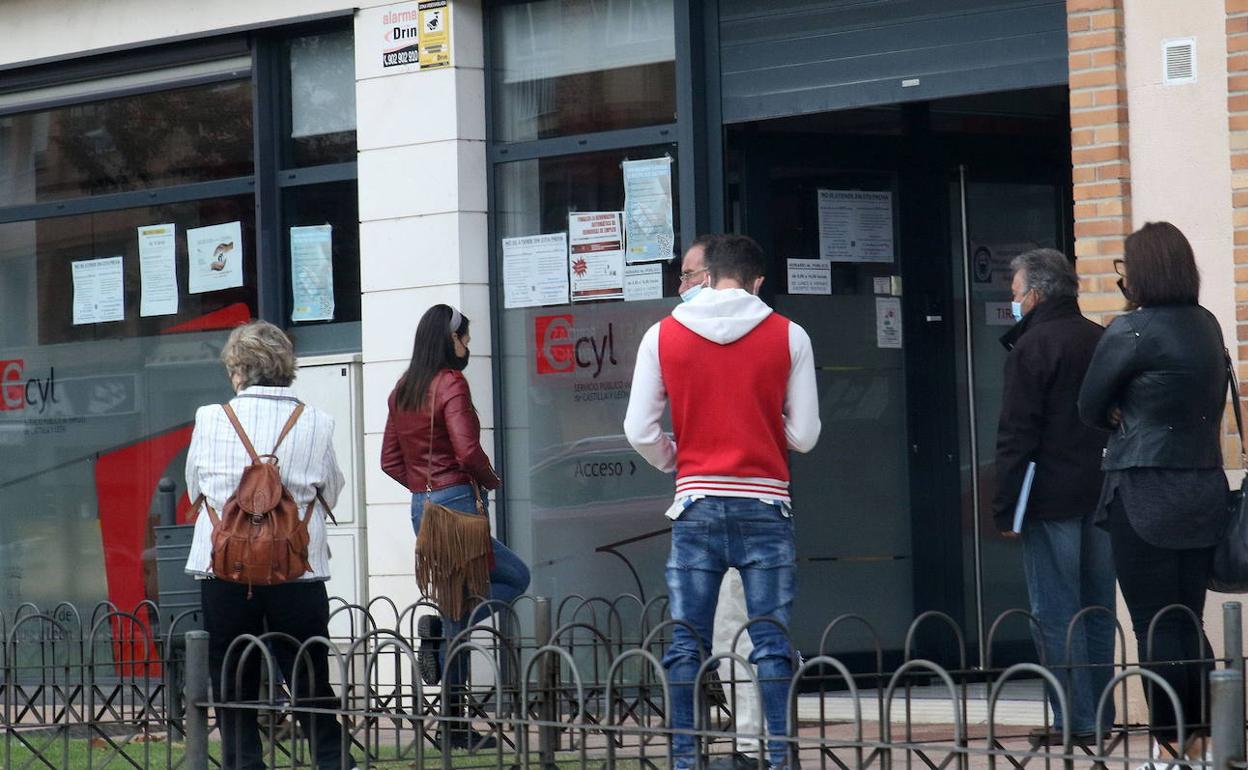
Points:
(562, 349)
(18, 393)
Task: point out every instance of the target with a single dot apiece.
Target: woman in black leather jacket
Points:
(1158, 381)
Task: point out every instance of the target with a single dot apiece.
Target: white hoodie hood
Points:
(722, 316)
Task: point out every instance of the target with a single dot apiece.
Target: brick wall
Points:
(1237, 111)
(1099, 150)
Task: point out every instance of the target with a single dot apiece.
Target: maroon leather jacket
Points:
(457, 454)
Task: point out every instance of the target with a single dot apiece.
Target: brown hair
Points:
(432, 351)
(737, 257)
(1160, 267)
(259, 353)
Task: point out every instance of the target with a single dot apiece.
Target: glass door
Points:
(995, 218)
(852, 491)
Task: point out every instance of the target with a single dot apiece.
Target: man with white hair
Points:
(1066, 558)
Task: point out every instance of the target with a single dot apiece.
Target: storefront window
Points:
(322, 99)
(330, 213)
(147, 141)
(46, 250)
(114, 309)
(567, 371)
(578, 66)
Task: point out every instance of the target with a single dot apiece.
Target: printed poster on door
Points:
(596, 255)
(535, 270)
(856, 226)
(887, 322)
(648, 225)
(99, 290)
(990, 264)
(215, 257)
(312, 273)
(158, 270)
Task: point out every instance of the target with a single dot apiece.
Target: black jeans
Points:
(300, 609)
(1152, 578)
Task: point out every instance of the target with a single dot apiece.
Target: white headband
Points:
(456, 319)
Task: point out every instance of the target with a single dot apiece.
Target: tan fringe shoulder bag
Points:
(453, 549)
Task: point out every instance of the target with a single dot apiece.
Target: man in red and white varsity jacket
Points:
(740, 382)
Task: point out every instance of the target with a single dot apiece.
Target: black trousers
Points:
(1152, 578)
(300, 609)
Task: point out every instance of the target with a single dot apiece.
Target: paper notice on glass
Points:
(643, 282)
(855, 226)
(596, 255)
(648, 209)
(215, 256)
(810, 276)
(998, 314)
(312, 273)
(888, 322)
(158, 270)
(99, 291)
(535, 270)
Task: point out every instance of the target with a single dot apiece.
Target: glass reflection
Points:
(170, 137)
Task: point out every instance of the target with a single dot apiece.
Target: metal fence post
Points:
(166, 502)
(196, 688)
(1233, 634)
(548, 689)
(1226, 689)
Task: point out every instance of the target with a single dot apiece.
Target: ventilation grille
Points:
(1179, 61)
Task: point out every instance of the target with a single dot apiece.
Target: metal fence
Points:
(574, 684)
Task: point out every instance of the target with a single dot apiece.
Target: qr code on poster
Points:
(666, 240)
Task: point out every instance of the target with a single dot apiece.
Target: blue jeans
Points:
(711, 535)
(508, 579)
(1069, 565)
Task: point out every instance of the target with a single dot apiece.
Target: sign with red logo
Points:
(12, 386)
(563, 349)
(19, 393)
(555, 349)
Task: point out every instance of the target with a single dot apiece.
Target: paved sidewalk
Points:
(1022, 704)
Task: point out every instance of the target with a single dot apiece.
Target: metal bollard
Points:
(196, 688)
(548, 690)
(166, 502)
(1226, 690)
(1233, 634)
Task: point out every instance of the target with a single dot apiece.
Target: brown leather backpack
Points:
(259, 538)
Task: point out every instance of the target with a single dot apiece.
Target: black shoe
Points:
(429, 629)
(714, 689)
(735, 761)
(465, 738)
(1040, 737)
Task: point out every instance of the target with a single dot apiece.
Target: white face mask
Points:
(691, 292)
(1017, 309)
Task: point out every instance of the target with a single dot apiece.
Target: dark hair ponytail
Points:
(432, 351)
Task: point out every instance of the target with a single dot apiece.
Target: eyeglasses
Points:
(1120, 267)
(688, 275)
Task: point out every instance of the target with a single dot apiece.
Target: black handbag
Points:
(1230, 556)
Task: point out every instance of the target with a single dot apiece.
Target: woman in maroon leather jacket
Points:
(447, 467)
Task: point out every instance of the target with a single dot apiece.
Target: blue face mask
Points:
(1017, 309)
(691, 292)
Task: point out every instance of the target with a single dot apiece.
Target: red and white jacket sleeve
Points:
(646, 402)
(801, 398)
